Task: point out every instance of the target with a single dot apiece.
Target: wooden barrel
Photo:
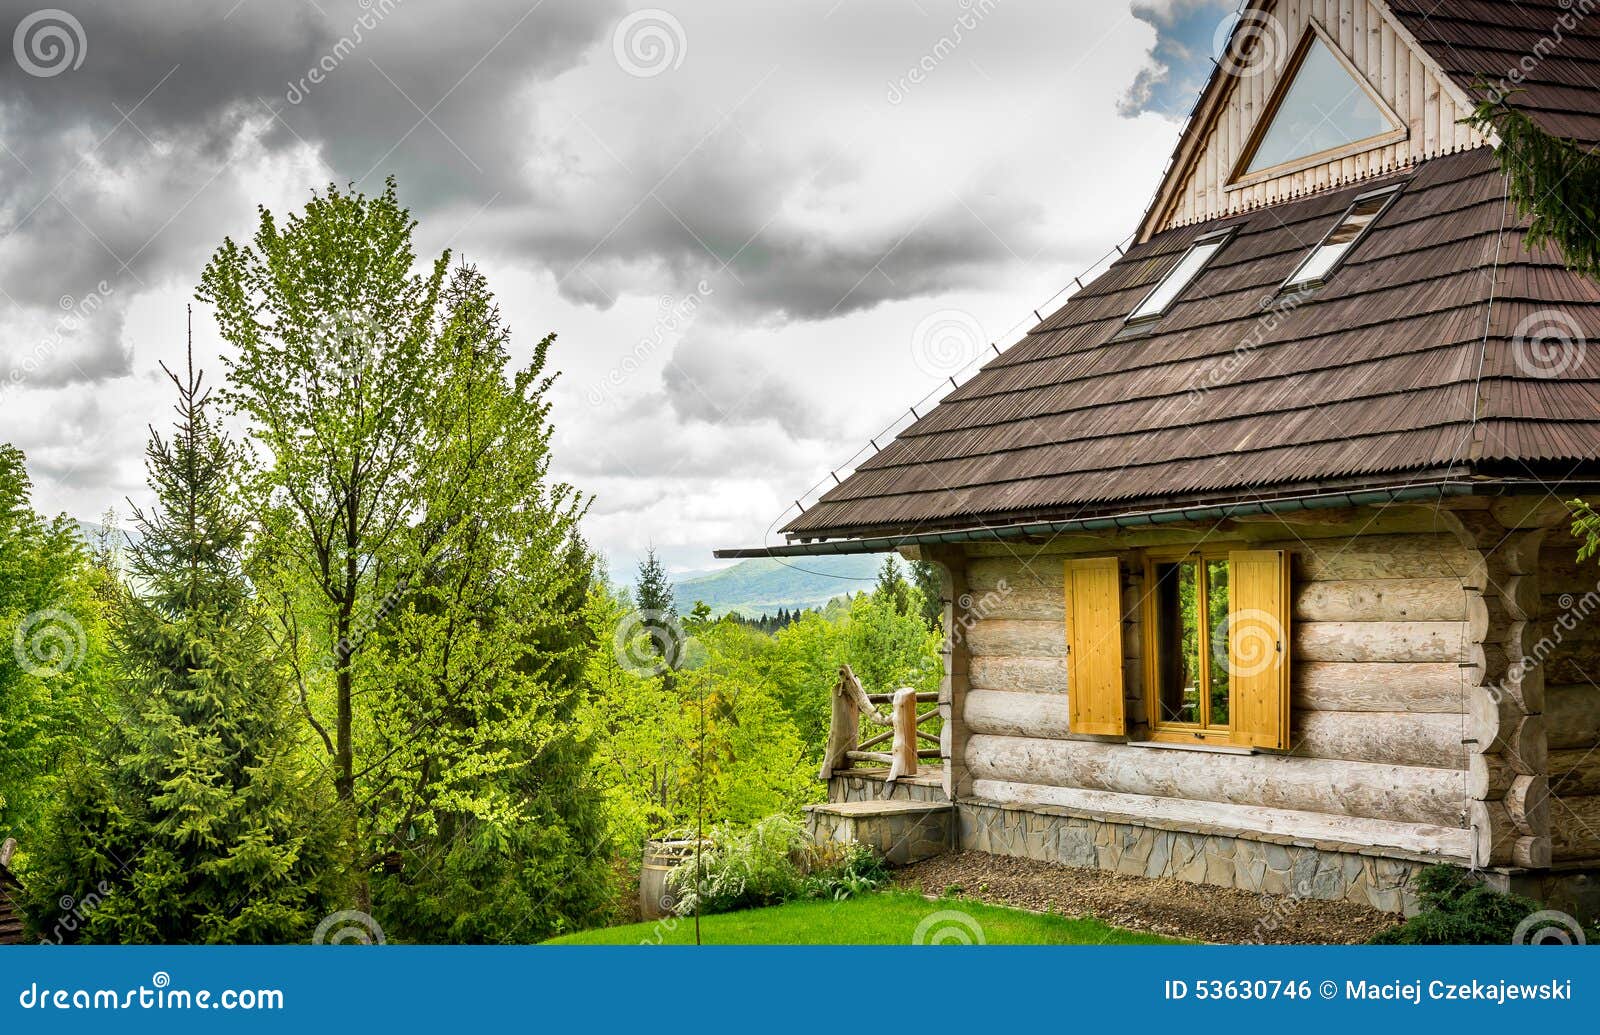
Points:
(660, 857)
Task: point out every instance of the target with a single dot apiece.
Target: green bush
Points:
(1459, 909)
(769, 863)
(854, 869)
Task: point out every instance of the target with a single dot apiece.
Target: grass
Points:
(885, 918)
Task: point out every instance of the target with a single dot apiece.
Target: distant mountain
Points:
(761, 587)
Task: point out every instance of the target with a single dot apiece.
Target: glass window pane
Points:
(1328, 254)
(1217, 623)
(1177, 641)
(1325, 108)
(1173, 283)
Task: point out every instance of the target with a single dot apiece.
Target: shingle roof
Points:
(1548, 50)
(1404, 364)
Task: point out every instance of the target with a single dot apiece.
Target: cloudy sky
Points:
(761, 230)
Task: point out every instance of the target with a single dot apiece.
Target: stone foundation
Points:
(903, 832)
(1265, 867)
(867, 785)
(1571, 890)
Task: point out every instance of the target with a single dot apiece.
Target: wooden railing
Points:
(852, 704)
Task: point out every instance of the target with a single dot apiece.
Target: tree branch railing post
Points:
(852, 703)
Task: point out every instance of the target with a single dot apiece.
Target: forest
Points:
(359, 659)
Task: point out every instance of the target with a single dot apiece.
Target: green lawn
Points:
(886, 918)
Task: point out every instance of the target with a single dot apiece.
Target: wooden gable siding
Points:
(1376, 754)
(1402, 74)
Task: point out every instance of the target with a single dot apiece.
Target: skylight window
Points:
(1157, 302)
(1341, 240)
(1325, 110)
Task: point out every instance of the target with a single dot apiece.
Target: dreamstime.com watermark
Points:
(1250, 44)
(157, 995)
(947, 342)
(649, 642)
(74, 311)
(1549, 927)
(1215, 375)
(1548, 343)
(1567, 22)
(74, 913)
(970, 610)
(949, 927)
(49, 42)
(674, 315)
(348, 927)
(1575, 610)
(375, 12)
(972, 15)
(49, 642)
(648, 43)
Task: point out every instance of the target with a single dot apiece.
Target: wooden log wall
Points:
(1380, 630)
(1568, 638)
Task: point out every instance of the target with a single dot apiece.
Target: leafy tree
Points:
(887, 649)
(412, 546)
(476, 677)
(51, 650)
(193, 820)
(334, 340)
(644, 735)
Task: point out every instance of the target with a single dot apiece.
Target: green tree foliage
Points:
(192, 820)
(52, 646)
(892, 585)
(644, 735)
(931, 585)
(422, 565)
(335, 364)
(1553, 183)
(653, 592)
(476, 677)
(886, 647)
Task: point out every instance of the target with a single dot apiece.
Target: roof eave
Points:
(1411, 492)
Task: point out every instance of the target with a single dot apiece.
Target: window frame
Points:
(1217, 238)
(1241, 177)
(1292, 285)
(1163, 730)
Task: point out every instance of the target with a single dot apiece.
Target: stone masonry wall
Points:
(1297, 870)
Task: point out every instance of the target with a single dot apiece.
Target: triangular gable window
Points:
(1324, 112)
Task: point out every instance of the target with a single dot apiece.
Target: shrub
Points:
(838, 872)
(1459, 909)
(741, 869)
(769, 863)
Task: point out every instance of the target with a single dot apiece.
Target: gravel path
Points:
(1166, 906)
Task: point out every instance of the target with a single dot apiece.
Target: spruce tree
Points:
(193, 822)
(892, 585)
(654, 592)
(928, 580)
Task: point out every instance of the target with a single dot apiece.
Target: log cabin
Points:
(1258, 570)
(10, 897)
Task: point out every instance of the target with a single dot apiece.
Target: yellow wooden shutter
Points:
(1258, 647)
(1094, 646)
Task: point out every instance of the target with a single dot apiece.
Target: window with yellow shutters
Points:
(1094, 646)
(1216, 647)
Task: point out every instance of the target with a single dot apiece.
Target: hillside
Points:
(759, 587)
